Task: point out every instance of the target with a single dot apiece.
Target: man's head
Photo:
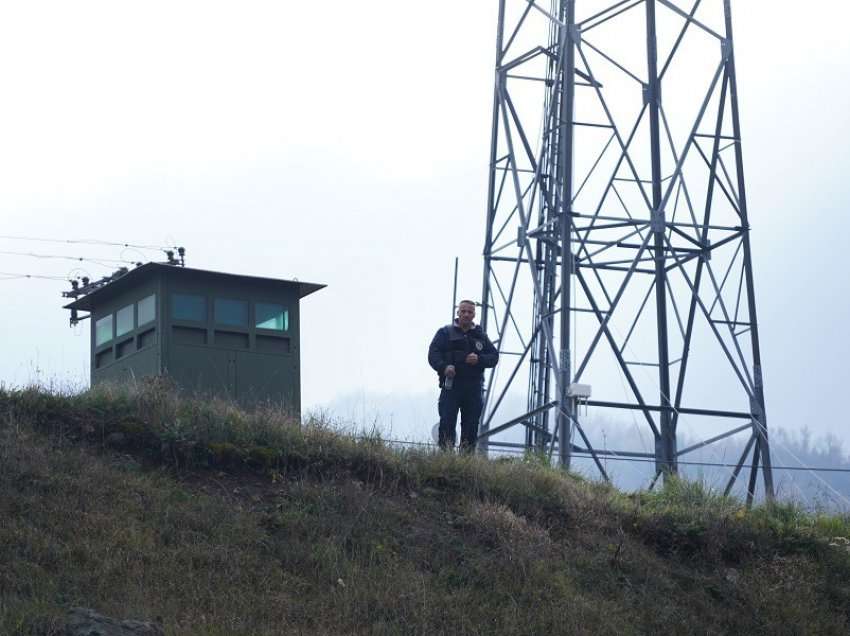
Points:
(465, 313)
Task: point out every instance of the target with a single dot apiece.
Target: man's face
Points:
(465, 314)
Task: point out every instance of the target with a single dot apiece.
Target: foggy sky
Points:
(347, 144)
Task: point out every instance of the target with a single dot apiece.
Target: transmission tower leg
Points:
(757, 402)
(486, 293)
(564, 208)
(751, 486)
(665, 454)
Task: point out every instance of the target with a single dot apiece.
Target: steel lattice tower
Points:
(620, 208)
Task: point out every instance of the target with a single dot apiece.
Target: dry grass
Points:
(142, 504)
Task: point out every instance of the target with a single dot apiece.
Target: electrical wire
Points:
(133, 249)
(78, 273)
(517, 451)
(103, 262)
(823, 469)
(85, 242)
(799, 461)
(15, 276)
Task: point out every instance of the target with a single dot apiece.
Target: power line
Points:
(15, 275)
(99, 261)
(84, 242)
(825, 469)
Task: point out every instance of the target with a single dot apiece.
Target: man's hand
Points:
(472, 359)
(450, 371)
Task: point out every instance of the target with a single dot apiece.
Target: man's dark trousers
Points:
(465, 397)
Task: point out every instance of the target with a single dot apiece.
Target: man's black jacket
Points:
(451, 346)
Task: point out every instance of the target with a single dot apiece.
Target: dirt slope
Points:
(143, 505)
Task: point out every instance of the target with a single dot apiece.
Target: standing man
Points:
(459, 353)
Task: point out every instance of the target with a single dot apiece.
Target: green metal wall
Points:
(244, 364)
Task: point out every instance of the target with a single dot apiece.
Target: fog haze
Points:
(347, 144)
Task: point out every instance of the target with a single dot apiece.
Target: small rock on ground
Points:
(86, 622)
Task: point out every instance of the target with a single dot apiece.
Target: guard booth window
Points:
(124, 321)
(188, 307)
(231, 312)
(272, 316)
(147, 309)
(103, 330)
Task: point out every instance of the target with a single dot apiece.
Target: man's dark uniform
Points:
(450, 346)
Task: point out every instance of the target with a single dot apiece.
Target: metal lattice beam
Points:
(617, 232)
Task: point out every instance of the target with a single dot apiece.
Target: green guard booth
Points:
(215, 334)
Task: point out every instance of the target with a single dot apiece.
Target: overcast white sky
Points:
(347, 143)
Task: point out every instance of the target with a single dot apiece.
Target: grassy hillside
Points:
(142, 505)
